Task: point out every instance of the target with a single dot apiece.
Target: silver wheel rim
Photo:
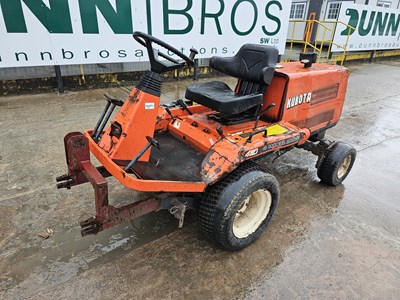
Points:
(252, 213)
(344, 167)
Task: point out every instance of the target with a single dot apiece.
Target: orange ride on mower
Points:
(201, 152)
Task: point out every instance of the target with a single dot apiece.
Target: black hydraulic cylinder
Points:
(94, 133)
(106, 118)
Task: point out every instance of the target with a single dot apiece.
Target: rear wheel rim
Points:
(252, 213)
(344, 167)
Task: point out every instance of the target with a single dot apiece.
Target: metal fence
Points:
(318, 36)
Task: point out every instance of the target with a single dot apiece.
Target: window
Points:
(333, 10)
(386, 4)
(297, 11)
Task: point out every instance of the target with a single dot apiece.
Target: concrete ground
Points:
(324, 243)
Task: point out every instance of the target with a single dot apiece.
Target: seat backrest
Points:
(252, 64)
(247, 88)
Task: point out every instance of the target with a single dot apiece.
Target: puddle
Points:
(67, 254)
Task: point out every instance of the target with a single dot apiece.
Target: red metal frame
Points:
(81, 170)
(132, 182)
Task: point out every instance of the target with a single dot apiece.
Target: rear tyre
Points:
(336, 164)
(235, 211)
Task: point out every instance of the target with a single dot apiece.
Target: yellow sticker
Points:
(276, 129)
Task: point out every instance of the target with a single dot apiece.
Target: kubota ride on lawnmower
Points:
(201, 153)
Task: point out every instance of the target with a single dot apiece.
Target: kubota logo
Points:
(375, 23)
(298, 100)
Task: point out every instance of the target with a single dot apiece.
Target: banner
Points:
(376, 28)
(66, 32)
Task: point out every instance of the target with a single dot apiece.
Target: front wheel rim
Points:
(344, 167)
(252, 213)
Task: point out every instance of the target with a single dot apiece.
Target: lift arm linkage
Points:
(81, 170)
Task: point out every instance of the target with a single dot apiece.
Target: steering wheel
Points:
(157, 66)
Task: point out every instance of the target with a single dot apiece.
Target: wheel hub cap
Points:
(344, 167)
(252, 213)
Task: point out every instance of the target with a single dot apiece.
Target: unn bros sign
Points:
(375, 28)
(57, 32)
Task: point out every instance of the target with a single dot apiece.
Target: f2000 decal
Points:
(271, 146)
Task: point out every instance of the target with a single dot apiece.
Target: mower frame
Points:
(228, 141)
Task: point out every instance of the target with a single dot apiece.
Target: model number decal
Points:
(281, 143)
(298, 100)
(251, 153)
(272, 146)
(177, 124)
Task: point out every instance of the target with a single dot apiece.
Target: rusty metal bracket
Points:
(108, 216)
(76, 151)
(177, 206)
(81, 170)
(319, 149)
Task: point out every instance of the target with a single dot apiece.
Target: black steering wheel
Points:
(157, 66)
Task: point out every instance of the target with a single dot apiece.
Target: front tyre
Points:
(236, 210)
(337, 164)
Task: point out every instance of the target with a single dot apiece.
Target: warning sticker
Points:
(276, 129)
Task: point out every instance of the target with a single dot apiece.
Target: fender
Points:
(222, 159)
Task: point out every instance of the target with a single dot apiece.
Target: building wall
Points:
(324, 11)
(78, 70)
(296, 29)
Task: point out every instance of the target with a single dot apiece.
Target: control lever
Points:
(105, 116)
(220, 131)
(151, 142)
(170, 113)
(269, 107)
(250, 138)
(193, 53)
(115, 101)
(184, 106)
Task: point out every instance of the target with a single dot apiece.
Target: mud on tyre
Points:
(236, 210)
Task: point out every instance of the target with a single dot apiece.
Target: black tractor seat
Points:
(218, 96)
(253, 65)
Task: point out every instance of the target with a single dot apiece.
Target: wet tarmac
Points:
(323, 242)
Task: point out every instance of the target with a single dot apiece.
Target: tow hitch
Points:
(81, 170)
